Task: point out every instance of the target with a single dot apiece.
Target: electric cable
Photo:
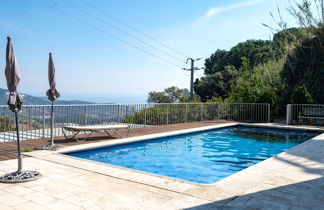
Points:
(106, 33)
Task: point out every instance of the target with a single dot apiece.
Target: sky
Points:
(97, 61)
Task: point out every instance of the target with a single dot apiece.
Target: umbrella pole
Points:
(18, 144)
(52, 124)
(19, 175)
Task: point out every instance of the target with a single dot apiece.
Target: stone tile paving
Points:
(297, 184)
(71, 188)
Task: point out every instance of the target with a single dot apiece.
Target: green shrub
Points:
(302, 96)
(26, 150)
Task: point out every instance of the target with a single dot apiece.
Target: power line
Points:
(108, 34)
(183, 72)
(199, 74)
(132, 28)
(121, 30)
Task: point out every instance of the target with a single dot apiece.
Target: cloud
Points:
(211, 13)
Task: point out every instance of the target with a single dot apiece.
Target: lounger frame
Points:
(110, 131)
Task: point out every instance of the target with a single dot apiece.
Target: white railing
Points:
(294, 111)
(34, 120)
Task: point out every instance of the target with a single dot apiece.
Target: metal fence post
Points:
(29, 119)
(289, 114)
(118, 113)
(167, 113)
(186, 114)
(145, 115)
(269, 110)
(201, 112)
(43, 122)
(68, 117)
(85, 114)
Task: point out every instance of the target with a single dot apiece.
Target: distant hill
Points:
(32, 100)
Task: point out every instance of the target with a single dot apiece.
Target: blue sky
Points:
(92, 65)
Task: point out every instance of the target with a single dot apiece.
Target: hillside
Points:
(32, 100)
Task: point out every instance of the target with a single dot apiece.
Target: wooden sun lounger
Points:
(90, 129)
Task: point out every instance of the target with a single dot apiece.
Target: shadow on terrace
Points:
(299, 184)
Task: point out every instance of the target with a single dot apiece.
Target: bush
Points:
(258, 85)
(305, 66)
(302, 96)
(7, 124)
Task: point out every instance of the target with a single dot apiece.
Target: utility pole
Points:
(192, 69)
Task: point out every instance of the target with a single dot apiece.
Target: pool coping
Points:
(97, 145)
(230, 186)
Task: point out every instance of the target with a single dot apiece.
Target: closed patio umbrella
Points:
(15, 101)
(52, 94)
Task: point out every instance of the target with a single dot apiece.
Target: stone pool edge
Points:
(229, 187)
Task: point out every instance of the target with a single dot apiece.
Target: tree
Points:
(216, 62)
(303, 50)
(221, 67)
(158, 97)
(215, 85)
(257, 85)
(258, 52)
(290, 35)
(169, 95)
(305, 66)
(305, 61)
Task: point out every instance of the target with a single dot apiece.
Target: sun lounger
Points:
(90, 129)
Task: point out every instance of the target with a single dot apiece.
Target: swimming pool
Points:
(201, 157)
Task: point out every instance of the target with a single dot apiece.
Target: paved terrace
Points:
(290, 180)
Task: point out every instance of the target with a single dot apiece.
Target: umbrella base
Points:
(49, 147)
(20, 176)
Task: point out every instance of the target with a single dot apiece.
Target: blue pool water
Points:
(202, 157)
